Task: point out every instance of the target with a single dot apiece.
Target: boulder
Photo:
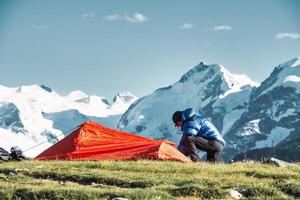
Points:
(277, 162)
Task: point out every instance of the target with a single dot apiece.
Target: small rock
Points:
(61, 182)
(277, 162)
(11, 173)
(234, 194)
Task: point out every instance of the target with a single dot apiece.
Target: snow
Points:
(42, 110)
(230, 101)
(235, 81)
(206, 101)
(289, 76)
(25, 142)
(122, 101)
(93, 106)
(288, 112)
(76, 95)
(291, 79)
(251, 128)
(190, 91)
(33, 103)
(141, 117)
(230, 119)
(276, 136)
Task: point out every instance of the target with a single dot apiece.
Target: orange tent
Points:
(91, 141)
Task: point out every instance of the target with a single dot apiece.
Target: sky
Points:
(105, 46)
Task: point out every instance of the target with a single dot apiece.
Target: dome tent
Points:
(92, 141)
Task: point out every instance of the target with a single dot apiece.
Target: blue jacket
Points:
(197, 125)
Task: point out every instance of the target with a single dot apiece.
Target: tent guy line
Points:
(47, 140)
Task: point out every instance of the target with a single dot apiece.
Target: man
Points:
(198, 134)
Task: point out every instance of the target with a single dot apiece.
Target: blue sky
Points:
(102, 47)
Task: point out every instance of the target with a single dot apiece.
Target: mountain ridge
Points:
(242, 115)
(250, 115)
(35, 113)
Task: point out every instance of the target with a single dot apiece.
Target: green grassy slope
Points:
(145, 180)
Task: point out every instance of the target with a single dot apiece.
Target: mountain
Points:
(210, 89)
(251, 116)
(121, 102)
(271, 124)
(256, 120)
(33, 114)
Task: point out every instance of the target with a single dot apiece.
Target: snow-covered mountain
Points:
(249, 115)
(210, 89)
(256, 120)
(32, 114)
(271, 124)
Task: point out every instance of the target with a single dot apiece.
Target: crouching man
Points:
(198, 134)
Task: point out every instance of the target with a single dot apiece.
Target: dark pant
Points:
(189, 146)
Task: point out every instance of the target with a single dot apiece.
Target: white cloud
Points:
(222, 28)
(186, 26)
(113, 17)
(39, 26)
(292, 36)
(87, 15)
(136, 18)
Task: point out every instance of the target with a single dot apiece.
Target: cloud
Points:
(136, 18)
(186, 26)
(222, 28)
(292, 36)
(87, 15)
(39, 26)
(113, 17)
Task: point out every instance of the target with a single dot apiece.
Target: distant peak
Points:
(286, 74)
(124, 96)
(288, 68)
(200, 68)
(203, 72)
(295, 62)
(201, 64)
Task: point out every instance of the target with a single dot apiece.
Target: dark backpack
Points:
(16, 154)
(4, 155)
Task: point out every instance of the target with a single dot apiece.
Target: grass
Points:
(145, 180)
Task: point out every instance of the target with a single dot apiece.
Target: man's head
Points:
(177, 118)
